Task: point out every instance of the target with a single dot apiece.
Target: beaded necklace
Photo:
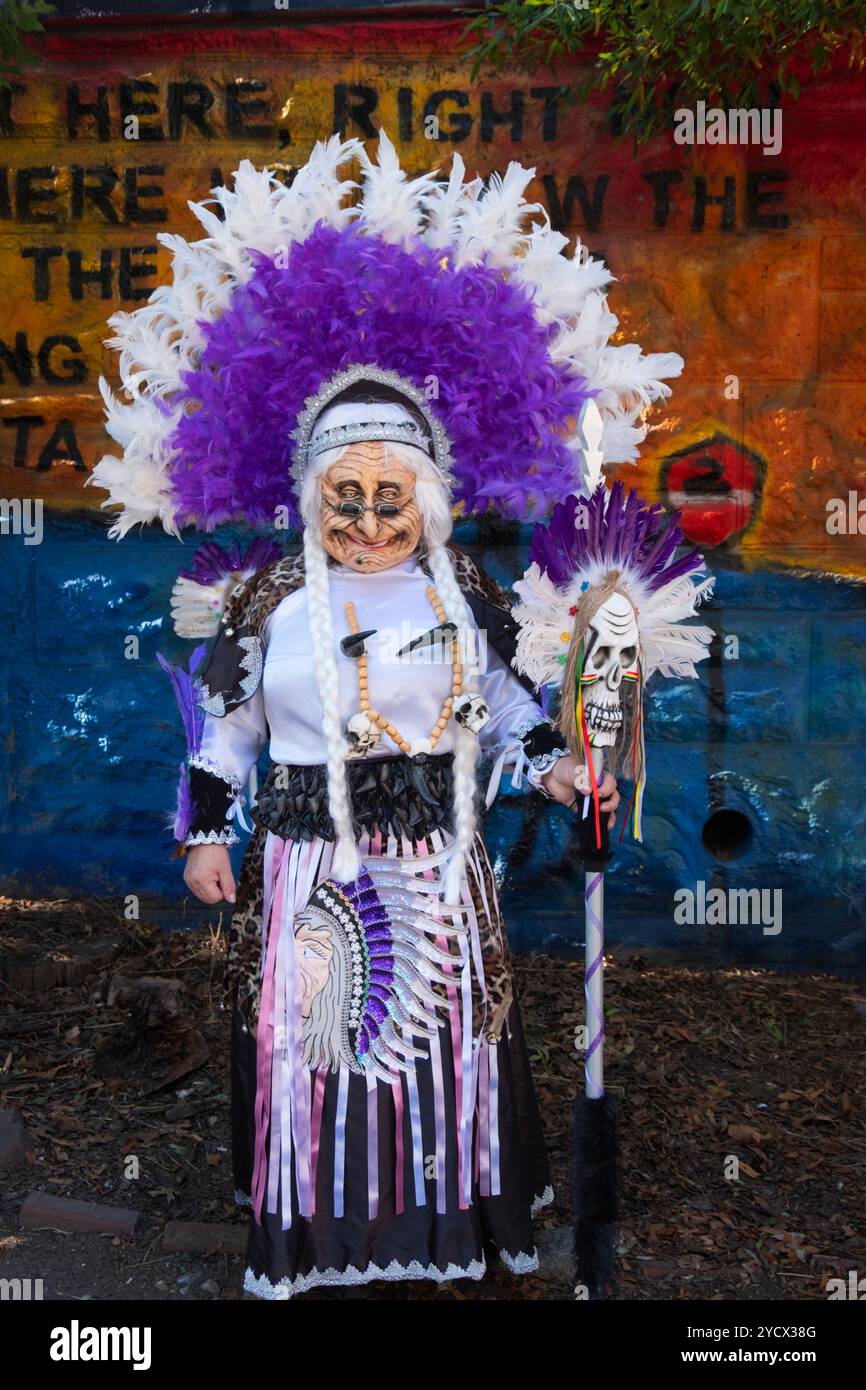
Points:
(447, 705)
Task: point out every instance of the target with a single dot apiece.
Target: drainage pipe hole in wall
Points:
(727, 835)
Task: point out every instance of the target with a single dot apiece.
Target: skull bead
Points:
(471, 711)
(362, 734)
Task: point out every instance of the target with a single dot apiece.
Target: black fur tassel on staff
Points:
(594, 1147)
(594, 1192)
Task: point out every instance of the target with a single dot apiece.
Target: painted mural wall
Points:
(749, 264)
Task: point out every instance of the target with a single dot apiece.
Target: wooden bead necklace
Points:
(364, 687)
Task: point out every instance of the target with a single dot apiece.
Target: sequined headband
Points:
(435, 444)
(387, 431)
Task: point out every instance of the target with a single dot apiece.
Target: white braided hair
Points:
(431, 492)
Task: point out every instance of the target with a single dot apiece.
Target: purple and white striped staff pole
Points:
(594, 1148)
(593, 983)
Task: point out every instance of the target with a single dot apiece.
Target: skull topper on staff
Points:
(602, 607)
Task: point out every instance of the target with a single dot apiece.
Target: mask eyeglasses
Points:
(382, 509)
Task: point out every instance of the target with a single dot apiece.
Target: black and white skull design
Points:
(471, 711)
(362, 734)
(612, 652)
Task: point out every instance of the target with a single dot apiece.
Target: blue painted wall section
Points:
(91, 743)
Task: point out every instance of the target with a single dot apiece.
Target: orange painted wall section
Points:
(752, 267)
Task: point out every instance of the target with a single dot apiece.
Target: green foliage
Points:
(19, 17)
(659, 54)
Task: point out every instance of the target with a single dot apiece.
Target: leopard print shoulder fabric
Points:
(267, 588)
(250, 606)
(472, 579)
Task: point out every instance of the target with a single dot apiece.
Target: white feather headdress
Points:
(175, 349)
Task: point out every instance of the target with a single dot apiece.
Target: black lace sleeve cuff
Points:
(542, 745)
(212, 793)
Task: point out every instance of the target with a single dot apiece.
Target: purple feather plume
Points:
(620, 529)
(185, 690)
(186, 693)
(185, 811)
(212, 562)
(468, 338)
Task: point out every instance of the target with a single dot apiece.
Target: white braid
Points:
(347, 861)
(467, 749)
(434, 504)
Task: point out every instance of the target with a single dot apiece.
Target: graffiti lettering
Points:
(61, 446)
(753, 197)
(108, 281)
(169, 112)
(129, 195)
(17, 364)
(185, 106)
(91, 189)
(561, 207)
(356, 110)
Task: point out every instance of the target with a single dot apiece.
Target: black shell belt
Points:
(397, 796)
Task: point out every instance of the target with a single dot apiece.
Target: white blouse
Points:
(408, 690)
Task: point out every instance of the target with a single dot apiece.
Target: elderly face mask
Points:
(370, 515)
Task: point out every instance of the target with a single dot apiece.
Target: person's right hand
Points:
(209, 874)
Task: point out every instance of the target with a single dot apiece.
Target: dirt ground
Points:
(712, 1069)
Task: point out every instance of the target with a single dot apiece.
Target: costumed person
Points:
(360, 371)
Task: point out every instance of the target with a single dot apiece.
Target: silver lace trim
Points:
(261, 1286)
(212, 837)
(199, 760)
(252, 662)
(529, 721)
(315, 404)
(544, 1200)
(286, 1288)
(521, 1263)
(543, 762)
(388, 431)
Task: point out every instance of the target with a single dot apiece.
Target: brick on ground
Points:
(43, 1210)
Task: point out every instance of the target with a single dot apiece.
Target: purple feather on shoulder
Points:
(192, 717)
(212, 562)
